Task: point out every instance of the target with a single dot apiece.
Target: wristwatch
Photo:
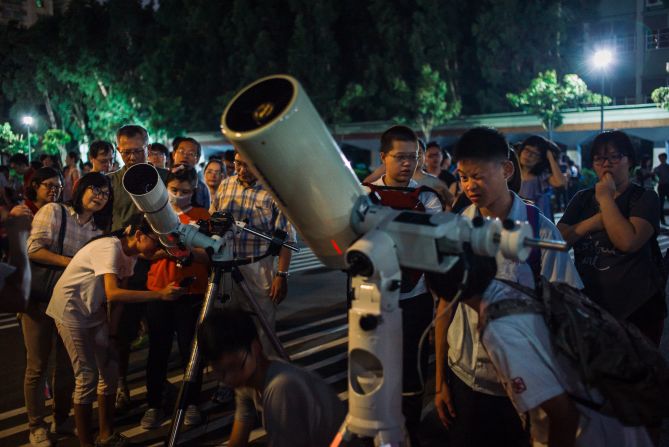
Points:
(281, 274)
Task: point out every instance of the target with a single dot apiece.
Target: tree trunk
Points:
(49, 110)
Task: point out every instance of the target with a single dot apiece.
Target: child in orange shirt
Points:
(164, 319)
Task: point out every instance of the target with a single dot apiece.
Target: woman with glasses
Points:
(539, 171)
(612, 228)
(82, 219)
(45, 187)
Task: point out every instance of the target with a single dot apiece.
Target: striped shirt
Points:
(256, 206)
(46, 228)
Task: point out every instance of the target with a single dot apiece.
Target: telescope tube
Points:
(276, 128)
(149, 195)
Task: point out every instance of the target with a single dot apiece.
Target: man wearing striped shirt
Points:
(247, 200)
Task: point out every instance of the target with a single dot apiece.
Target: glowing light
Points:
(28, 120)
(602, 59)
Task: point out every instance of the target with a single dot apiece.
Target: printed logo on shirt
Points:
(518, 385)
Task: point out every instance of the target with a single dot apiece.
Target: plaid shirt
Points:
(255, 204)
(46, 228)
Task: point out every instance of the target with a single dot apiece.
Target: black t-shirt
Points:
(447, 177)
(619, 282)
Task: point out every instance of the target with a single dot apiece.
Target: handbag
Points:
(45, 277)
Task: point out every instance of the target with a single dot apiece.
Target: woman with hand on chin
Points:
(612, 228)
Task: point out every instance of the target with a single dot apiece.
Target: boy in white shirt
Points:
(537, 379)
(470, 401)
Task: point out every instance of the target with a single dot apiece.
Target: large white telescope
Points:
(275, 127)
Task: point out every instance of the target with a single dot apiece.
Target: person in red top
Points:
(164, 319)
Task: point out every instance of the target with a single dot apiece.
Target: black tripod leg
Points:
(193, 368)
(269, 331)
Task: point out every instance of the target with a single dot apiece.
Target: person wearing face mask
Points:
(180, 316)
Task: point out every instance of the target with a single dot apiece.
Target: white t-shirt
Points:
(79, 296)
(466, 356)
(532, 372)
(432, 205)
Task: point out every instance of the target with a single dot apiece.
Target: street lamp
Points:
(28, 121)
(601, 61)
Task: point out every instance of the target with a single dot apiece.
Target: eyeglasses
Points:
(401, 158)
(52, 186)
(613, 159)
(156, 154)
(134, 151)
(99, 192)
(188, 154)
(240, 164)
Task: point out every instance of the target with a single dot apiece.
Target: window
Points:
(657, 39)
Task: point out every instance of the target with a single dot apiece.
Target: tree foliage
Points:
(430, 101)
(547, 97)
(173, 65)
(660, 96)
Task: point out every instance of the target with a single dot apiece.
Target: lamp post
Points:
(601, 61)
(28, 121)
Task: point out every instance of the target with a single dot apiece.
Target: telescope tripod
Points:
(221, 264)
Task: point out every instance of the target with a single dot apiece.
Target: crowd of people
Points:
(87, 274)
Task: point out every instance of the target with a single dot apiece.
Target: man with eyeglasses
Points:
(299, 409)
(132, 143)
(396, 188)
(187, 152)
(101, 156)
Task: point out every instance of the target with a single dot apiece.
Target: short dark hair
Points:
(397, 133)
(101, 218)
(482, 270)
(159, 147)
(190, 140)
(88, 164)
(226, 331)
(214, 160)
(662, 155)
(229, 155)
(75, 155)
(38, 177)
(19, 159)
(131, 131)
(432, 144)
(481, 143)
(183, 174)
(99, 147)
(617, 140)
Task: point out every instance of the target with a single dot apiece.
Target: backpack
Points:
(610, 355)
(401, 199)
(660, 261)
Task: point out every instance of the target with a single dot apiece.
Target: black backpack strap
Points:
(63, 227)
(507, 307)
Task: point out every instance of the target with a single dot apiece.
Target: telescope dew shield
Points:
(148, 193)
(276, 128)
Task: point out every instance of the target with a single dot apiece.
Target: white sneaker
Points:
(192, 416)
(152, 418)
(39, 438)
